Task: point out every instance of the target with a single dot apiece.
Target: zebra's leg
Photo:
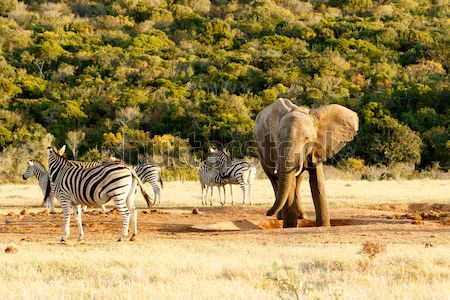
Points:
(220, 195)
(77, 212)
(103, 208)
(158, 192)
(231, 190)
(65, 205)
(51, 203)
(201, 186)
(250, 192)
(120, 202)
(132, 208)
(244, 190)
(211, 199)
(84, 208)
(224, 194)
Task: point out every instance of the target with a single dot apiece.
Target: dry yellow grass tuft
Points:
(371, 249)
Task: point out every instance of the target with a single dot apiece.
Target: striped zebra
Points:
(234, 172)
(75, 186)
(152, 174)
(35, 168)
(209, 178)
(146, 172)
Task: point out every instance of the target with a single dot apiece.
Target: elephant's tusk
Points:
(299, 171)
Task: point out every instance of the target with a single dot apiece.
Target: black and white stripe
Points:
(234, 172)
(75, 186)
(152, 174)
(35, 168)
(209, 178)
(146, 172)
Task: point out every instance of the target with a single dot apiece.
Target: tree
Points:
(382, 139)
(74, 139)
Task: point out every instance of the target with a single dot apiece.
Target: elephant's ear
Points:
(336, 125)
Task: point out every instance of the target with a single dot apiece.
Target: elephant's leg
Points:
(290, 214)
(298, 190)
(317, 184)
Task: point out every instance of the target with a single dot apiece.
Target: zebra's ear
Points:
(30, 163)
(62, 150)
(212, 150)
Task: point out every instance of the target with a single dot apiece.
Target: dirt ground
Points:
(408, 223)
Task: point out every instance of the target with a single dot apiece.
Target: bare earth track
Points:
(349, 225)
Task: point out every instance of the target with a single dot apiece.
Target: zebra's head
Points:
(29, 171)
(55, 161)
(216, 156)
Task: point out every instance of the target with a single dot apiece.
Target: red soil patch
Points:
(11, 250)
(240, 221)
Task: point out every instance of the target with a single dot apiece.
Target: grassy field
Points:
(170, 261)
(341, 193)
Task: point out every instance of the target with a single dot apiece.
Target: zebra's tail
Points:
(141, 186)
(47, 191)
(160, 178)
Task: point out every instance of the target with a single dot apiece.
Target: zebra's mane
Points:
(39, 164)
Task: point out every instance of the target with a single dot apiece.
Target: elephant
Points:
(291, 139)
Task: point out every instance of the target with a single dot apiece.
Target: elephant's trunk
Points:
(284, 186)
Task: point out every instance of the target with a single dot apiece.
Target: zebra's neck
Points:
(55, 164)
(222, 159)
(39, 170)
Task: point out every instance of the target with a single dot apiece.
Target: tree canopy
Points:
(133, 70)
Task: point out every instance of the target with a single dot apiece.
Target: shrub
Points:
(352, 163)
(382, 139)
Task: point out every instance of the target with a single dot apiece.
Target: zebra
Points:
(146, 172)
(234, 172)
(209, 178)
(75, 186)
(35, 168)
(152, 174)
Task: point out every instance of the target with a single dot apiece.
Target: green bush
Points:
(382, 139)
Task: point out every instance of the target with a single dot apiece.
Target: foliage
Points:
(124, 72)
(382, 139)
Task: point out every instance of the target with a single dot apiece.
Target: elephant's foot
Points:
(280, 215)
(290, 223)
(301, 215)
(323, 223)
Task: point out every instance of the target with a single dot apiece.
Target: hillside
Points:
(137, 74)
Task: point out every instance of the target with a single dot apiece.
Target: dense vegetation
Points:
(144, 74)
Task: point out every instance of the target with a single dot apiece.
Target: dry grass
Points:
(207, 269)
(341, 193)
